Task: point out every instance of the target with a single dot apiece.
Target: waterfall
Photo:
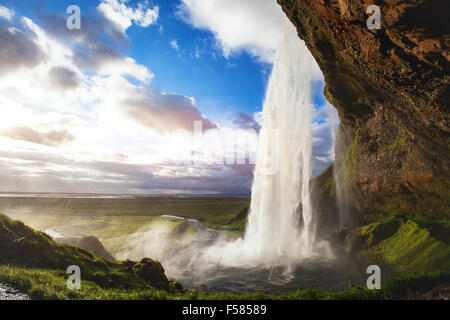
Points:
(281, 196)
(280, 226)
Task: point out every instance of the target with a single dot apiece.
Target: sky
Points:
(110, 107)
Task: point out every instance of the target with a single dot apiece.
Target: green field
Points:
(113, 220)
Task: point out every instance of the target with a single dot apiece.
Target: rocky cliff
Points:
(390, 87)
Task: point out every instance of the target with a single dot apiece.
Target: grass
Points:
(51, 284)
(404, 245)
(413, 248)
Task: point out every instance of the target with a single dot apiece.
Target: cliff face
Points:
(390, 87)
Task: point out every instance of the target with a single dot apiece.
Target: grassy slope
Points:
(23, 247)
(405, 245)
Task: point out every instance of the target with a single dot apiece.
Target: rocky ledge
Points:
(391, 89)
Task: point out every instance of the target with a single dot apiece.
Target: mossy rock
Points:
(376, 232)
(407, 248)
(152, 272)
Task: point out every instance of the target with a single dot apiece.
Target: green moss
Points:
(368, 229)
(410, 249)
(376, 232)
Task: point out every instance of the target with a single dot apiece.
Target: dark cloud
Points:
(164, 112)
(17, 49)
(51, 138)
(246, 121)
(63, 78)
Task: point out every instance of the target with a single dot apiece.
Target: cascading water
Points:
(281, 198)
(281, 223)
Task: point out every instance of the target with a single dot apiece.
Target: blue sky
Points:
(98, 104)
(219, 84)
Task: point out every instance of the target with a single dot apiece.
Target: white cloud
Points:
(251, 25)
(123, 16)
(122, 105)
(174, 44)
(6, 13)
(126, 66)
(112, 104)
(64, 122)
